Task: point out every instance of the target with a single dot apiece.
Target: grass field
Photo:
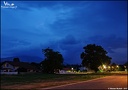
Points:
(40, 80)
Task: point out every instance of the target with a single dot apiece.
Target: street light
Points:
(104, 66)
(72, 69)
(117, 66)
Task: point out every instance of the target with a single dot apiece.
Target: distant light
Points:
(117, 66)
(112, 67)
(109, 67)
(72, 68)
(104, 66)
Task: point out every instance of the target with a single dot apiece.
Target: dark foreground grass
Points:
(39, 77)
(47, 79)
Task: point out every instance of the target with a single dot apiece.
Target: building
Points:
(15, 67)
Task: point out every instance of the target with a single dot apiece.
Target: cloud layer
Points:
(64, 26)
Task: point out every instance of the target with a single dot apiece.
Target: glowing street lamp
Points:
(104, 66)
(117, 66)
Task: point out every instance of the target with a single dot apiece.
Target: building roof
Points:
(20, 64)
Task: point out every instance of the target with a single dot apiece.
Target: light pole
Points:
(104, 67)
(72, 69)
(117, 66)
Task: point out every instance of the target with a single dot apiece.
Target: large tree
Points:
(53, 61)
(94, 56)
(16, 60)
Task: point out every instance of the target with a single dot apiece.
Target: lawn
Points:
(40, 80)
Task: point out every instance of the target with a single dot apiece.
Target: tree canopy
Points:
(16, 59)
(94, 56)
(53, 60)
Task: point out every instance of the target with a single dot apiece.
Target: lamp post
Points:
(104, 67)
(72, 69)
(125, 68)
(117, 66)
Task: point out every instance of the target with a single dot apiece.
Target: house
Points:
(66, 71)
(15, 67)
(83, 69)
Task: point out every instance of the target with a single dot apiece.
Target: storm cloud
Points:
(64, 26)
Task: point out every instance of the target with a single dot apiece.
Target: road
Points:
(116, 82)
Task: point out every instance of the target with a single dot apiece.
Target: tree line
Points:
(92, 57)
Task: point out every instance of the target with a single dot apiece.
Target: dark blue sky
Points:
(65, 27)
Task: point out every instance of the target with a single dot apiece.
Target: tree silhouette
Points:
(53, 61)
(94, 56)
(16, 60)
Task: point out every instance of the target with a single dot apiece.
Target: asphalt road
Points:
(116, 82)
